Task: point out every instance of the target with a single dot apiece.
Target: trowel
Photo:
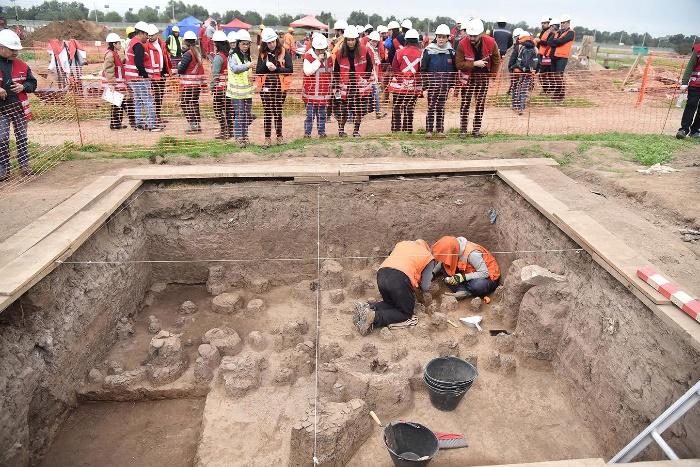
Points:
(472, 321)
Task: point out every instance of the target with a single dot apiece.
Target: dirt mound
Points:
(71, 29)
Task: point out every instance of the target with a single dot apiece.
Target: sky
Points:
(657, 17)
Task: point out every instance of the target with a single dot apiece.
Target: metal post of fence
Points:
(77, 115)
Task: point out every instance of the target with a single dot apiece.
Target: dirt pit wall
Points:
(60, 328)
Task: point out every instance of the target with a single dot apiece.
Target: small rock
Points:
(336, 296)
(256, 340)
(203, 373)
(505, 343)
(210, 354)
(153, 325)
(448, 348)
(378, 365)
(225, 339)
(188, 307)
(158, 287)
(537, 275)
(470, 337)
(283, 376)
(369, 350)
(260, 286)
(448, 304)
(508, 364)
(254, 307)
(114, 368)
(493, 361)
(331, 274)
(188, 342)
(241, 374)
(125, 379)
(438, 321)
(398, 352)
(386, 335)
(330, 351)
(356, 287)
(95, 376)
(419, 309)
(227, 303)
(125, 329)
(475, 304)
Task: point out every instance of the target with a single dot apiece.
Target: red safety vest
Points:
(20, 71)
(158, 59)
(694, 80)
(193, 77)
(376, 64)
(222, 79)
(382, 50)
(487, 45)
(364, 86)
(317, 87)
(397, 45)
(406, 81)
(119, 82)
(130, 70)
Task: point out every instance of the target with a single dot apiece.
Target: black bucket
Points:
(446, 401)
(410, 444)
(446, 371)
(448, 387)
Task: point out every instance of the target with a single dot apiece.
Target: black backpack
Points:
(527, 59)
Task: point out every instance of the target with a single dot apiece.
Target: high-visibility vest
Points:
(564, 50)
(19, 73)
(172, 44)
(193, 77)
(694, 80)
(543, 48)
(491, 264)
(119, 82)
(222, 79)
(406, 81)
(153, 61)
(377, 64)
(238, 85)
(364, 86)
(130, 70)
(409, 257)
(487, 45)
(317, 87)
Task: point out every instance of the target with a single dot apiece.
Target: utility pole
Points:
(16, 14)
(173, 7)
(94, 5)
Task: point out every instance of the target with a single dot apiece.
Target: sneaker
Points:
(681, 134)
(221, 136)
(307, 136)
(342, 134)
(428, 135)
(27, 172)
(694, 134)
(477, 134)
(363, 318)
(322, 135)
(380, 116)
(355, 135)
(156, 129)
(268, 143)
(280, 140)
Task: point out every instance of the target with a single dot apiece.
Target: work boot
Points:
(363, 318)
(477, 134)
(268, 143)
(27, 172)
(459, 295)
(221, 136)
(428, 135)
(695, 134)
(681, 134)
(280, 140)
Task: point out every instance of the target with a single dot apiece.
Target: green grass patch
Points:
(543, 101)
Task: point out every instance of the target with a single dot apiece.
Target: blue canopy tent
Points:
(188, 24)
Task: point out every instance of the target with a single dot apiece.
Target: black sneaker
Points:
(681, 134)
(363, 318)
(694, 134)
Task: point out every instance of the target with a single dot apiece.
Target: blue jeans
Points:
(242, 109)
(13, 114)
(144, 110)
(318, 110)
(521, 88)
(375, 96)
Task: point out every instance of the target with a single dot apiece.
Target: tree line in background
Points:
(55, 11)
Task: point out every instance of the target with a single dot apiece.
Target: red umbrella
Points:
(309, 22)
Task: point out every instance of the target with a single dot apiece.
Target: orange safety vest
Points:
(491, 264)
(364, 87)
(119, 82)
(193, 77)
(406, 80)
(285, 78)
(694, 80)
(564, 50)
(19, 73)
(222, 79)
(130, 70)
(409, 257)
(487, 45)
(446, 250)
(543, 48)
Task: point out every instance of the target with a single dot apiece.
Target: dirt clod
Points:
(448, 304)
(227, 303)
(330, 351)
(95, 376)
(256, 340)
(254, 308)
(439, 320)
(290, 334)
(154, 326)
(125, 329)
(398, 352)
(336, 296)
(369, 350)
(225, 339)
(356, 287)
(475, 304)
(331, 274)
(386, 335)
(260, 285)
(448, 348)
(241, 373)
(166, 359)
(188, 307)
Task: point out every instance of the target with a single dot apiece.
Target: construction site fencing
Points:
(73, 115)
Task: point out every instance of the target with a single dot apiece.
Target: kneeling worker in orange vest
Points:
(471, 269)
(409, 266)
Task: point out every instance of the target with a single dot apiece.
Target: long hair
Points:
(222, 46)
(345, 50)
(110, 45)
(264, 50)
(194, 49)
(242, 56)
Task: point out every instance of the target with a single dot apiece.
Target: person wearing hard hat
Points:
(239, 87)
(471, 269)
(543, 53)
(288, 41)
(274, 70)
(561, 42)
(160, 68)
(218, 83)
(384, 56)
(523, 64)
(352, 81)
(405, 85)
(316, 91)
(408, 268)
(137, 77)
(128, 101)
(113, 78)
(438, 66)
(690, 83)
(175, 44)
(502, 35)
(337, 42)
(365, 37)
(17, 81)
(396, 42)
(377, 71)
(477, 60)
(192, 80)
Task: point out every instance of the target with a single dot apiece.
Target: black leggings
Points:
(355, 104)
(115, 117)
(403, 104)
(189, 101)
(223, 110)
(398, 298)
(437, 97)
(272, 102)
(477, 87)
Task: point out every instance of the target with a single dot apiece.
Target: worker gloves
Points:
(454, 280)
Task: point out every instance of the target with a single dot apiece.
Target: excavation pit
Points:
(207, 293)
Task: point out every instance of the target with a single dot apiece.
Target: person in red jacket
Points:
(405, 84)
(316, 94)
(161, 67)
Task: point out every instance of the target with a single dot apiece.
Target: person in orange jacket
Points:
(288, 41)
(409, 267)
(471, 269)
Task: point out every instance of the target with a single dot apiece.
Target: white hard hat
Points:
(545, 19)
(369, 26)
(407, 24)
(268, 35)
(242, 35)
(112, 37)
(340, 24)
(411, 34)
(501, 19)
(232, 36)
(381, 28)
(374, 36)
(141, 26)
(393, 25)
(152, 30)
(319, 42)
(517, 32)
(525, 33)
(351, 33)
(10, 40)
(219, 36)
(190, 35)
(563, 18)
(475, 27)
(443, 30)
(555, 21)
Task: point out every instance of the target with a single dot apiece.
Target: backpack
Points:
(527, 60)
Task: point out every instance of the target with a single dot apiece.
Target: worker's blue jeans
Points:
(521, 88)
(375, 97)
(144, 109)
(13, 114)
(319, 111)
(242, 117)
(476, 287)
